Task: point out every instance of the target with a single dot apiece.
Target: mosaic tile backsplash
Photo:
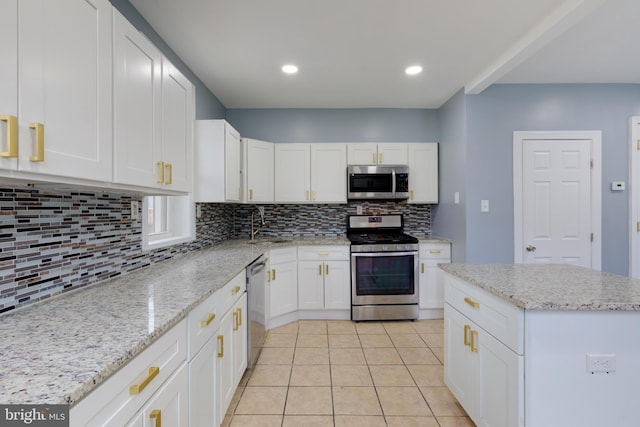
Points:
(56, 241)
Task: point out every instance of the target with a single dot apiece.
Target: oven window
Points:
(385, 275)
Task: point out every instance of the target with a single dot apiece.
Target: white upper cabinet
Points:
(137, 98)
(217, 162)
(258, 171)
(154, 110)
(9, 84)
(178, 115)
(64, 85)
(423, 172)
(313, 173)
(377, 154)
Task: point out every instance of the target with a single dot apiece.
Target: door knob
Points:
(531, 248)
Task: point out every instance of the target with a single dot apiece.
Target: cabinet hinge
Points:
(592, 237)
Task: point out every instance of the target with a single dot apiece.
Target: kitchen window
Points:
(167, 220)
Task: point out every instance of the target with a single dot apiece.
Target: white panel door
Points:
(392, 154)
(170, 404)
(8, 78)
(292, 172)
(329, 172)
(556, 201)
(283, 289)
(137, 66)
(232, 183)
(423, 172)
(259, 171)
(65, 84)
(310, 285)
(337, 285)
(362, 153)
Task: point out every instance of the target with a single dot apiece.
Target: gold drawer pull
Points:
(169, 173)
(467, 328)
(156, 415)
(474, 337)
(320, 270)
(471, 302)
(422, 267)
(221, 346)
(434, 251)
(208, 320)
(326, 269)
(137, 388)
(235, 290)
(323, 253)
(160, 165)
(39, 128)
(12, 136)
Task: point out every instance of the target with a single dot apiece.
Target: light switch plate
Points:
(484, 206)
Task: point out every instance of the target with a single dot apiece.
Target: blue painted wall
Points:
(336, 125)
(207, 105)
(494, 115)
(448, 218)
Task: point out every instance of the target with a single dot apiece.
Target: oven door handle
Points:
(381, 254)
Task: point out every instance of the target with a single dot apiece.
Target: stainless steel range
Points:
(384, 268)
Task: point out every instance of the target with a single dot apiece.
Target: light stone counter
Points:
(552, 287)
(59, 350)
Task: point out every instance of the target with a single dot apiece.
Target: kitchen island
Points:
(542, 345)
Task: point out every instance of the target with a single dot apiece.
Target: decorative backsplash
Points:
(55, 241)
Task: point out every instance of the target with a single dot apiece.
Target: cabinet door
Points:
(259, 171)
(362, 154)
(431, 283)
(232, 183)
(8, 77)
(423, 173)
(65, 84)
(498, 390)
(240, 340)
(283, 289)
(178, 114)
(225, 372)
(310, 285)
(136, 92)
(458, 366)
(292, 172)
(337, 285)
(392, 154)
(170, 404)
(329, 173)
(202, 386)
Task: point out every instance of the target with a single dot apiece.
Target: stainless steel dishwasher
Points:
(256, 292)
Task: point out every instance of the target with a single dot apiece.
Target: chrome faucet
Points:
(260, 210)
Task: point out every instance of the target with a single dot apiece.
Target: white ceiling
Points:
(352, 53)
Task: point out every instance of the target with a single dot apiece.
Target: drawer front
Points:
(114, 402)
(499, 318)
(203, 321)
(277, 256)
(313, 253)
(229, 293)
(435, 250)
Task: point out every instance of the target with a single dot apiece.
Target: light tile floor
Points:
(341, 373)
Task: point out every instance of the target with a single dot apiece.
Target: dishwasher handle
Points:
(257, 266)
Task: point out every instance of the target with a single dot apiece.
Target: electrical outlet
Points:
(602, 363)
(359, 210)
(198, 210)
(134, 210)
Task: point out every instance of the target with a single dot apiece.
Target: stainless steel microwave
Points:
(378, 182)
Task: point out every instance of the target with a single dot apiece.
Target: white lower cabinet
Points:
(431, 277)
(324, 278)
(170, 404)
(202, 386)
(485, 375)
(283, 281)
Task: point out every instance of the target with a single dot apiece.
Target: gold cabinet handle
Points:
(206, 322)
(434, 251)
(273, 274)
(471, 302)
(467, 328)
(313, 194)
(307, 195)
(422, 267)
(239, 316)
(235, 290)
(474, 337)
(220, 346)
(12, 136)
(39, 128)
(326, 269)
(380, 158)
(235, 320)
(137, 388)
(156, 415)
(251, 194)
(323, 253)
(169, 168)
(319, 269)
(374, 158)
(411, 194)
(160, 165)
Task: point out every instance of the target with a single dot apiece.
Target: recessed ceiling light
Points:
(289, 69)
(413, 70)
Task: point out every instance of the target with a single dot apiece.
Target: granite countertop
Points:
(552, 286)
(59, 350)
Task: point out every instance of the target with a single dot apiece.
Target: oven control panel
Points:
(401, 247)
